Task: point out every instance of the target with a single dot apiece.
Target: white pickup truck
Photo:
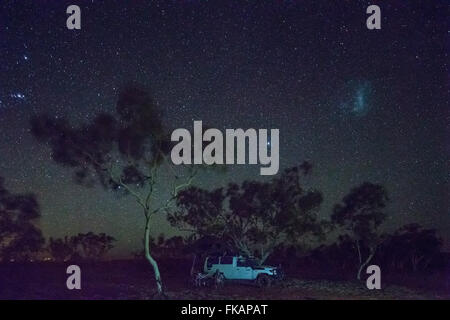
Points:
(240, 268)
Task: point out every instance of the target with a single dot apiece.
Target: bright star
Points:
(18, 95)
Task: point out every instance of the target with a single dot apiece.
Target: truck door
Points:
(243, 270)
(226, 266)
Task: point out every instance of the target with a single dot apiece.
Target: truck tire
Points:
(219, 279)
(264, 281)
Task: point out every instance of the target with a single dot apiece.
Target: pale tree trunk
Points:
(193, 264)
(264, 256)
(362, 265)
(150, 259)
(145, 203)
(242, 247)
(358, 276)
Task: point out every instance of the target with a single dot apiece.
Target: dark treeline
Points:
(276, 222)
(22, 240)
(83, 246)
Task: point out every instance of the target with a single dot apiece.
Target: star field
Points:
(359, 104)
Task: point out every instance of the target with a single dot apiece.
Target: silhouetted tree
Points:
(87, 246)
(336, 258)
(360, 214)
(19, 236)
(93, 246)
(254, 217)
(412, 247)
(61, 249)
(122, 151)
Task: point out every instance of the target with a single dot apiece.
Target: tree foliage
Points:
(360, 214)
(122, 151)
(254, 217)
(119, 149)
(19, 236)
(61, 249)
(88, 246)
(411, 248)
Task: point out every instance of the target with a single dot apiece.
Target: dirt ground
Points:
(134, 280)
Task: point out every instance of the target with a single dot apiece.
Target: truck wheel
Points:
(219, 279)
(263, 281)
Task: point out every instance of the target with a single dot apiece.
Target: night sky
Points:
(361, 105)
